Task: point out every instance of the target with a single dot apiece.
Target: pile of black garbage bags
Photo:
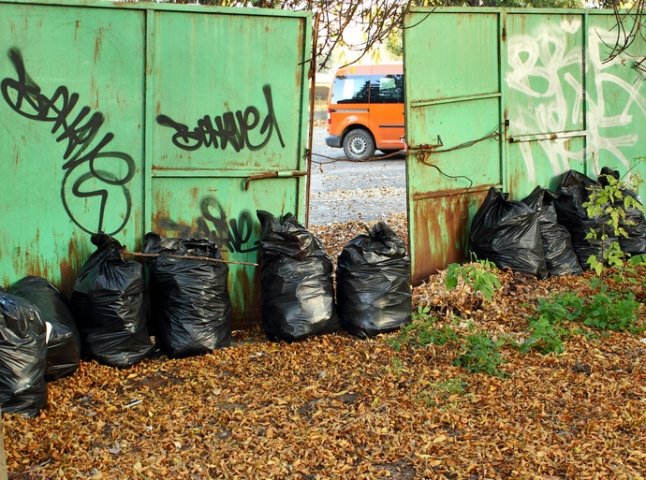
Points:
(39, 342)
(121, 311)
(545, 233)
(296, 274)
(43, 336)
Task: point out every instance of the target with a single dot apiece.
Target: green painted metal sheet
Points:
(452, 98)
(510, 98)
(570, 108)
(71, 135)
(545, 85)
(128, 118)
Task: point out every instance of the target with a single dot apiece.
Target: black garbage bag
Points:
(507, 233)
(635, 226)
(22, 356)
(190, 306)
(634, 223)
(109, 306)
(63, 342)
(296, 280)
(573, 192)
(560, 256)
(373, 283)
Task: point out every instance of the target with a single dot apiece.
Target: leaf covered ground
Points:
(337, 407)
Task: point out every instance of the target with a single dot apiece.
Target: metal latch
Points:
(265, 175)
(426, 147)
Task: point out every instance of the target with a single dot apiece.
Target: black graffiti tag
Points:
(227, 129)
(233, 234)
(90, 164)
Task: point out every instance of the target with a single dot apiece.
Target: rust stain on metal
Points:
(516, 179)
(68, 275)
(195, 196)
(32, 265)
(245, 315)
(69, 267)
(97, 44)
(567, 144)
(17, 259)
(452, 193)
(160, 214)
(441, 232)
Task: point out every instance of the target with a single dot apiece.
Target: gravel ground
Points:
(342, 190)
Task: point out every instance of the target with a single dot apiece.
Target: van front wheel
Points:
(358, 144)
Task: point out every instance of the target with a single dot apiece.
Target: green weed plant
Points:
(422, 331)
(443, 391)
(604, 310)
(480, 354)
(610, 203)
(480, 276)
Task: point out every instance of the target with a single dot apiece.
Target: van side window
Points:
(351, 89)
(387, 89)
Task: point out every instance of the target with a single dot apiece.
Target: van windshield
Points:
(368, 89)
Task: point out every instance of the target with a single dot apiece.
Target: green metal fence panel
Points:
(615, 101)
(196, 117)
(235, 112)
(544, 77)
(512, 99)
(452, 97)
(570, 105)
(71, 135)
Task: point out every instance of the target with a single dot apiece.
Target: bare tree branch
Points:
(630, 26)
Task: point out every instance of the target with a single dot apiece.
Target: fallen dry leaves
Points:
(336, 407)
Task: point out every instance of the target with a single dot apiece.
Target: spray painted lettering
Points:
(230, 128)
(89, 170)
(544, 67)
(233, 235)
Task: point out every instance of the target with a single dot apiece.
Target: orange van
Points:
(366, 110)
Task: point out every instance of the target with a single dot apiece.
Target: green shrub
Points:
(604, 310)
(566, 306)
(480, 354)
(611, 310)
(480, 276)
(545, 336)
(422, 331)
(610, 203)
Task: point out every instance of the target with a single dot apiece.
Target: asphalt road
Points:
(342, 190)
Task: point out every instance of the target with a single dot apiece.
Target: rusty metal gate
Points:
(512, 99)
(126, 118)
